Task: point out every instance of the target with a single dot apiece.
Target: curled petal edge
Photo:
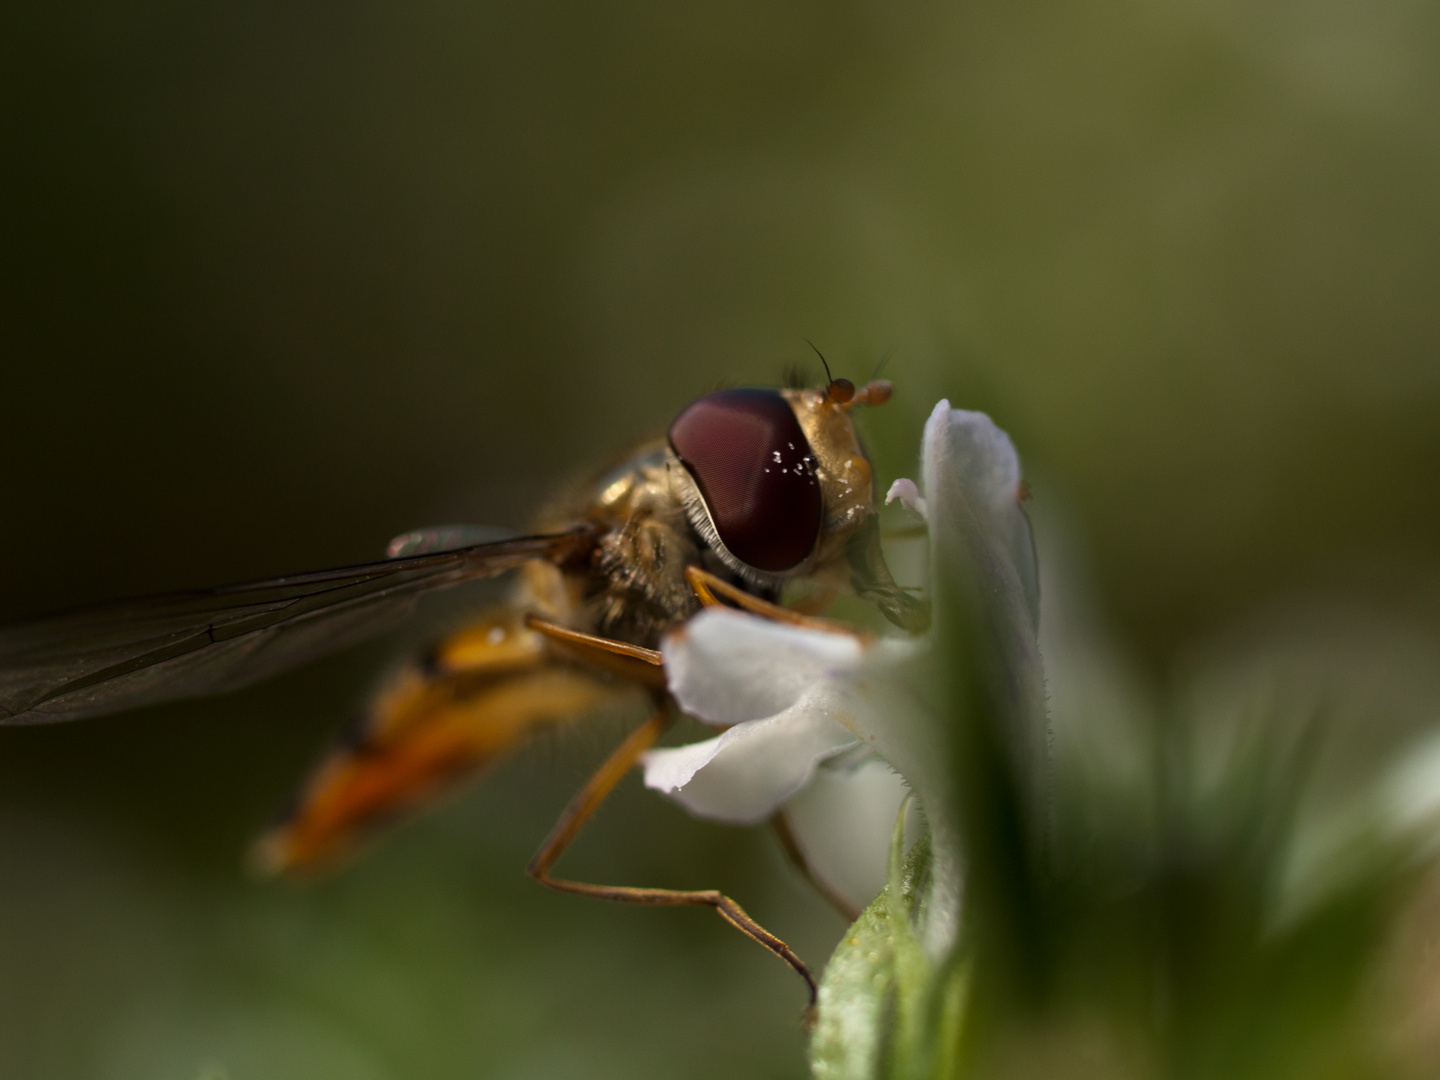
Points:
(743, 776)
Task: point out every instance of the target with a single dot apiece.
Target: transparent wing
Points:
(118, 656)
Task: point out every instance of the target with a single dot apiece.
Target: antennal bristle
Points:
(828, 377)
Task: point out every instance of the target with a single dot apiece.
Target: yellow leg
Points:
(585, 803)
(710, 589)
(581, 639)
(629, 661)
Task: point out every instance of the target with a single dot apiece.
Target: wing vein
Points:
(122, 655)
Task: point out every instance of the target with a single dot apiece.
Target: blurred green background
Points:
(278, 281)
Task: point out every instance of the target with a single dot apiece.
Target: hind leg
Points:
(585, 803)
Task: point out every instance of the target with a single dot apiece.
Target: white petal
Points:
(909, 496)
(726, 667)
(972, 485)
(668, 770)
(843, 820)
(744, 775)
(971, 470)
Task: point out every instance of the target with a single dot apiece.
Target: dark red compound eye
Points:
(754, 469)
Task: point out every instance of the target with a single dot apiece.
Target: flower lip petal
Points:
(670, 769)
(726, 667)
(743, 776)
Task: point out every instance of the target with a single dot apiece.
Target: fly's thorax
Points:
(630, 585)
(641, 480)
(640, 590)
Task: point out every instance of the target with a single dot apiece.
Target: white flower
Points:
(780, 686)
(796, 701)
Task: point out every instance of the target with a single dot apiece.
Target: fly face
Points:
(777, 485)
(762, 487)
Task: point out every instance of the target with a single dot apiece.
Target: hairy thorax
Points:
(630, 583)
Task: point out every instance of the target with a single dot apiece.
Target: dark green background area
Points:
(279, 281)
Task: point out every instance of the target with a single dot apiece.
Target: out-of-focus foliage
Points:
(278, 282)
(1237, 885)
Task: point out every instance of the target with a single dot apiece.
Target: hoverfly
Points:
(751, 490)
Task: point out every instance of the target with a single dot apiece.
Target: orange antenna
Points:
(840, 391)
(875, 392)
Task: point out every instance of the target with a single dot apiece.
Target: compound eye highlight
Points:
(756, 474)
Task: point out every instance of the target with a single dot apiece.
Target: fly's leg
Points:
(629, 661)
(610, 653)
(585, 802)
(710, 589)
